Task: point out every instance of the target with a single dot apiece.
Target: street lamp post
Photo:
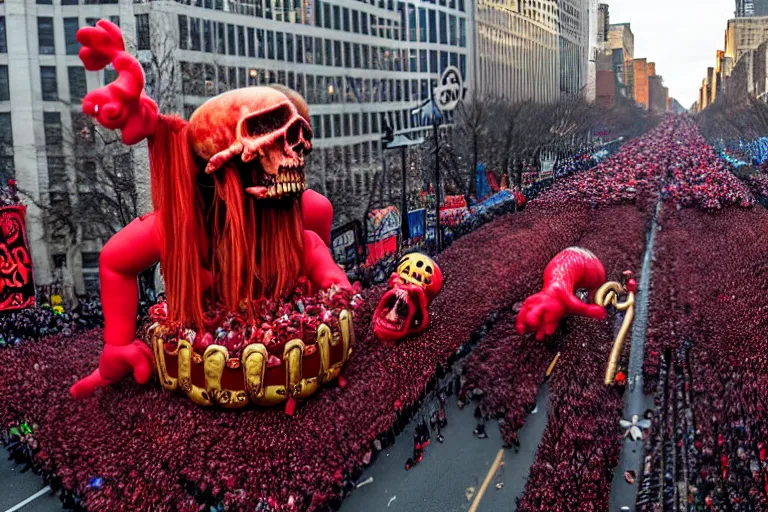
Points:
(436, 125)
(402, 143)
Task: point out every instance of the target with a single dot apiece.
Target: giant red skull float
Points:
(402, 310)
(232, 221)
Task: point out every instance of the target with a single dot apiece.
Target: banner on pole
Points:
(417, 220)
(346, 244)
(382, 226)
(17, 284)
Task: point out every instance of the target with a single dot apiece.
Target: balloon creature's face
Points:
(402, 309)
(261, 131)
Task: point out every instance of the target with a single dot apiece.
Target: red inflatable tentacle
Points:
(570, 270)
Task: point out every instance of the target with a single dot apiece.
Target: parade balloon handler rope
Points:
(130, 433)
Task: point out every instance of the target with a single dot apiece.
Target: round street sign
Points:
(450, 90)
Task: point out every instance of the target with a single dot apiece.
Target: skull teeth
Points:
(288, 187)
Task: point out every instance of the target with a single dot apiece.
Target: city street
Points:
(378, 256)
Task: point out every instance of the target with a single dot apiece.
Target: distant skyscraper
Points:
(603, 23)
(749, 8)
(745, 8)
(574, 45)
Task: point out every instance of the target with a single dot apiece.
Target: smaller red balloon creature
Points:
(571, 270)
(402, 309)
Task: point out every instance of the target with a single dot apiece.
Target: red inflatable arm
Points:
(319, 266)
(570, 270)
(122, 104)
(132, 250)
(317, 213)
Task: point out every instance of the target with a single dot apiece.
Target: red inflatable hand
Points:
(116, 363)
(570, 270)
(123, 104)
(101, 44)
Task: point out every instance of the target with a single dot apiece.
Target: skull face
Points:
(402, 310)
(421, 270)
(262, 131)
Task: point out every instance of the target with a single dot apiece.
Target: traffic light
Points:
(388, 136)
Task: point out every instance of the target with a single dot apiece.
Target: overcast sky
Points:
(681, 36)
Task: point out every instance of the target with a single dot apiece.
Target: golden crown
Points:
(212, 378)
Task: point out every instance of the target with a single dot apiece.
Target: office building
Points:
(574, 45)
(518, 49)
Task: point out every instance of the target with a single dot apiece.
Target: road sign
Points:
(450, 91)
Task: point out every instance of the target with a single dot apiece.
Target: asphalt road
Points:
(441, 481)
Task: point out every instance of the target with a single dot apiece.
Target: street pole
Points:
(404, 222)
(437, 187)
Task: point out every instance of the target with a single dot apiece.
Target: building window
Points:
(57, 174)
(300, 49)
(207, 36)
(5, 93)
(443, 29)
(6, 131)
(221, 39)
(318, 50)
(364, 23)
(328, 52)
(183, 32)
(251, 42)
(337, 53)
(77, 85)
(289, 47)
(347, 55)
(45, 36)
(280, 47)
(70, 31)
(45, 2)
(48, 83)
(346, 19)
(3, 43)
(52, 128)
(230, 39)
(241, 41)
(432, 26)
(194, 32)
(452, 30)
(462, 32)
(68, 2)
(270, 45)
(422, 25)
(142, 31)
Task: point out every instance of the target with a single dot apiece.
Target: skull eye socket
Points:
(292, 134)
(428, 270)
(419, 264)
(263, 123)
